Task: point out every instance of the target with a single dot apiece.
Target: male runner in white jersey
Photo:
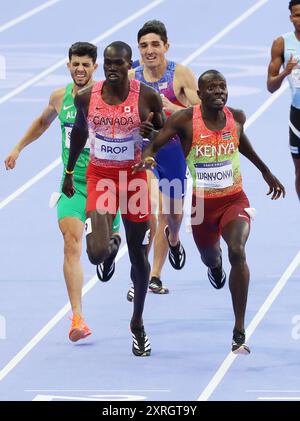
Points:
(286, 52)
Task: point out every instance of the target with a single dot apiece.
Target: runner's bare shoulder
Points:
(239, 115)
(57, 96)
(149, 92)
(183, 115)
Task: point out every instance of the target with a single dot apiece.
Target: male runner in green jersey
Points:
(70, 212)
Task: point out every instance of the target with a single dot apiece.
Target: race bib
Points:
(68, 129)
(114, 149)
(214, 175)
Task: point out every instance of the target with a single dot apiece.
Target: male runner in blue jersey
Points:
(178, 88)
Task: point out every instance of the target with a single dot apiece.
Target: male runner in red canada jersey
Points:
(111, 112)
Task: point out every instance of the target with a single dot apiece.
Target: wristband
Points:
(149, 158)
(69, 172)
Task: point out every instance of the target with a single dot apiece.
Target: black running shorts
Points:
(294, 129)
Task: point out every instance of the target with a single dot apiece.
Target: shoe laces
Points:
(155, 282)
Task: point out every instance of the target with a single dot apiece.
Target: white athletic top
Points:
(292, 46)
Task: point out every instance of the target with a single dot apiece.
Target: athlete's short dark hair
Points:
(120, 46)
(293, 3)
(208, 72)
(83, 49)
(155, 27)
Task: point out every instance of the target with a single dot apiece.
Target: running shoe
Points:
(106, 269)
(156, 286)
(79, 329)
(141, 345)
(238, 343)
(130, 294)
(176, 253)
(217, 276)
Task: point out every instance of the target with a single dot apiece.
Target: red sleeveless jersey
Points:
(115, 142)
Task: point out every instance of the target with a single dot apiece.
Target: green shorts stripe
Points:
(75, 206)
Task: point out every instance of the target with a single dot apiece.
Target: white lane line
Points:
(101, 37)
(128, 20)
(28, 15)
(225, 31)
(271, 391)
(29, 183)
(96, 390)
(267, 104)
(96, 398)
(30, 100)
(96, 40)
(279, 398)
(222, 370)
(51, 324)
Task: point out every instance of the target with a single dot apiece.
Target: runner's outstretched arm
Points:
(78, 140)
(37, 128)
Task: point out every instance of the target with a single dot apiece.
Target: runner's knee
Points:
(236, 254)
(139, 260)
(175, 218)
(162, 219)
(96, 251)
(72, 244)
(211, 261)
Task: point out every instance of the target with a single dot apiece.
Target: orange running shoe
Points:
(79, 329)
